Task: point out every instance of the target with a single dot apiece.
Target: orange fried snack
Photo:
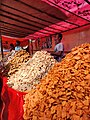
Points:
(64, 94)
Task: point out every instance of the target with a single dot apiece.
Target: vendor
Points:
(17, 48)
(59, 48)
(12, 47)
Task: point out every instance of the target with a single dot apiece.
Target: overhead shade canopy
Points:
(77, 11)
(40, 18)
(19, 18)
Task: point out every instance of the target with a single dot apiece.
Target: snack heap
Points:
(30, 73)
(16, 62)
(4, 63)
(8, 57)
(64, 94)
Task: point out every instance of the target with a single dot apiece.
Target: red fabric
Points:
(12, 103)
(8, 40)
(0, 94)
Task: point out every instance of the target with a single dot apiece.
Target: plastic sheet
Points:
(12, 103)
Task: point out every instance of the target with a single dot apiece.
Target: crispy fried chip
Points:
(65, 89)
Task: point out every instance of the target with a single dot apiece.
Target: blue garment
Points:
(59, 47)
(17, 48)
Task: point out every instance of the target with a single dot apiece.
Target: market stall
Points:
(33, 85)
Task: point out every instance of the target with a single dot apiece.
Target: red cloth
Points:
(8, 40)
(12, 103)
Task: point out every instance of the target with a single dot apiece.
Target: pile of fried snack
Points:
(31, 72)
(64, 94)
(18, 59)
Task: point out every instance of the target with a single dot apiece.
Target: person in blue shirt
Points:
(58, 52)
(18, 47)
(59, 48)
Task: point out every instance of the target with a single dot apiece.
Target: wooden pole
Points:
(32, 47)
(1, 35)
(1, 45)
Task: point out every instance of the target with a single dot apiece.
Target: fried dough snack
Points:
(16, 62)
(32, 72)
(64, 94)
